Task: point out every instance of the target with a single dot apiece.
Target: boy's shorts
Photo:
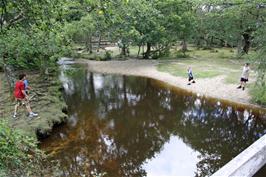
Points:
(21, 102)
(243, 79)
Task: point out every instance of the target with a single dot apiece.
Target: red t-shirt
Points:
(18, 90)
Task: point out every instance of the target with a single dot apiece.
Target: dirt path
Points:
(211, 87)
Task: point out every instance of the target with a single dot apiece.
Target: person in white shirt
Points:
(244, 76)
(190, 76)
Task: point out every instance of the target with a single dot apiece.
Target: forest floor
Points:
(217, 72)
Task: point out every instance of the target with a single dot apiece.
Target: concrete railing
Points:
(248, 162)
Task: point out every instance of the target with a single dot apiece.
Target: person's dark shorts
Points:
(190, 79)
(243, 79)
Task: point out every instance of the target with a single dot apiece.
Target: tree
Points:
(179, 20)
(82, 30)
(30, 34)
(148, 23)
(121, 25)
(233, 23)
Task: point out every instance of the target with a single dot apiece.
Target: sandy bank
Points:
(212, 87)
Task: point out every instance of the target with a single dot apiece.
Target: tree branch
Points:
(16, 19)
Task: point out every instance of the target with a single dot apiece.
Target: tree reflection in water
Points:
(117, 123)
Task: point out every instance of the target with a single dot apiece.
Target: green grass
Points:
(258, 94)
(205, 64)
(180, 69)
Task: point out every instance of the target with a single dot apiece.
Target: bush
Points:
(107, 56)
(32, 49)
(181, 55)
(258, 93)
(161, 54)
(19, 154)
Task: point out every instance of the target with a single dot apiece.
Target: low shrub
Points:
(107, 55)
(19, 153)
(258, 93)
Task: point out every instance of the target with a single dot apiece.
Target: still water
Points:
(133, 126)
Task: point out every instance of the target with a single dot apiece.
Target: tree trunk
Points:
(90, 45)
(211, 42)
(139, 50)
(9, 73)
(239, 46)
(99, 42)
(124, 50)
(198, 43)
(247, 42)
(184, 46)
(143, 51)
(87, 44)
(148, 51)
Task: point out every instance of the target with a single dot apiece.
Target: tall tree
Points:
(231, 22)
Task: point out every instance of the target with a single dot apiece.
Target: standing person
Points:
(244, 76)
(22, 97)
(26, 84)
(190, 76)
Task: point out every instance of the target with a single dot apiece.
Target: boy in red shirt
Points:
(22, 97)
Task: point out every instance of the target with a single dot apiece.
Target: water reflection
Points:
(183, 156)
(130, 126)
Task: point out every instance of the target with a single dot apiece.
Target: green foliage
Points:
(232, 23)
(180, 54)
(107, 55)
(34, 34)
(259, 90)
(156, 24)
(30, 35)
(25, 13)
(178, 18)
(19, 154)
(79, 30)
(258, 93)
(261, 54)
(32, 50)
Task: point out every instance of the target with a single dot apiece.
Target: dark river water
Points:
(133, 126)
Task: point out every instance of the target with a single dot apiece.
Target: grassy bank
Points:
(213, 63)
(47, 102)
(206, 64)
(258, 94)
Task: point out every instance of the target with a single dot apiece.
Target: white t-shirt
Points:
(245, 72)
